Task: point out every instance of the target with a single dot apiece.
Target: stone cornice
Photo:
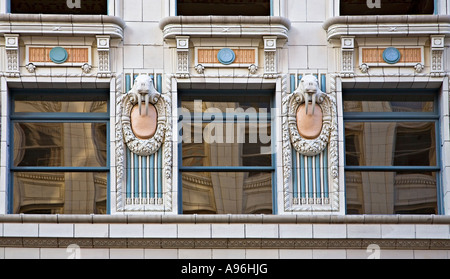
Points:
(225, 26)
(226, 219)
(63, 25)
(387, 25)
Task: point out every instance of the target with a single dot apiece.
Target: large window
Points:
(59, 6)
(225, 152)
(59, 152)
(391, 147)
(223, 7)
(386, 7)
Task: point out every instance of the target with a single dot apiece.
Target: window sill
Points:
(64, 24)
(225, 26)
(387, 25)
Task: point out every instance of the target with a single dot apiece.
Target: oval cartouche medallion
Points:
(309, 125)
(144, 125)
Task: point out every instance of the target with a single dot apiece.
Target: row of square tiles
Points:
(408, 231)
(61, 253)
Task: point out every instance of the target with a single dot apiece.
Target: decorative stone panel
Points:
(12, 54)
(437, 55)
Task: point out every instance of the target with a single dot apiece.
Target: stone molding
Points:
(224, 219)
(61, 25)
(387, 25)
(225, 26)
(224, 243)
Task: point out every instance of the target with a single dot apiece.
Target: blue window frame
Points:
(59, 152)
(392, 156)
(225, 158)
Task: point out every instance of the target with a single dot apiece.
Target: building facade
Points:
(224, 129)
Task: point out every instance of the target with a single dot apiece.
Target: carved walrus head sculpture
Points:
(309, 89)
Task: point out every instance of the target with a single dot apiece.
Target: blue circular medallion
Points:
(226, 56)
(391, 55)
(58, 55)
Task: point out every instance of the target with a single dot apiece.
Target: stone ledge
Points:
(387, 25)
(226, 219)
(225, 26)
(64, 25)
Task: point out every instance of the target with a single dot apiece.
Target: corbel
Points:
(103, 49)
(347, 57)
(270, 57)
(437, 54)
(183, 57)
(12, 54)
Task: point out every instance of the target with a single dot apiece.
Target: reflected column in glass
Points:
(227, 193)
(391, 192)
(60, 192)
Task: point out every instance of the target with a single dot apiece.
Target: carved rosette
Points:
(143, 147)
(310, 147)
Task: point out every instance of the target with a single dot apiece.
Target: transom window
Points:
(59, 6)
(223, 7)
(59, 152)
(225, 152)
(391, 152)
(386, 7)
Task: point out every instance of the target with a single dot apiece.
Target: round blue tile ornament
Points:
(58, 55)
(226, 56)
(391, 55)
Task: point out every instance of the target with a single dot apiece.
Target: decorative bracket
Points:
(437, 55)
(348, 50)
(104, 68)
(182, 56)
(12, 54)
(270, 57)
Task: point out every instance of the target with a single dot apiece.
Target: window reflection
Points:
(390, 143)
(60, 144)
(388, 103)
(235, 144)
(60, 106)
(391, 192)
(227, 193)
(60, 192)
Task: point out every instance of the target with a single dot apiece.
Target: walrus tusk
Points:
(146, 104)
(306, 102)
(313, 103)
(139, 103)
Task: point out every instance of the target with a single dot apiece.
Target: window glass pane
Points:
(223, 7)
(227, 193)
(391, 192)
(390, 143)
(52, 106)
(59, 7)
(225, 103)
(386, 7)
(86, 103)
(226, 144)
(60, 144)
(388, 103)
(60, 192)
